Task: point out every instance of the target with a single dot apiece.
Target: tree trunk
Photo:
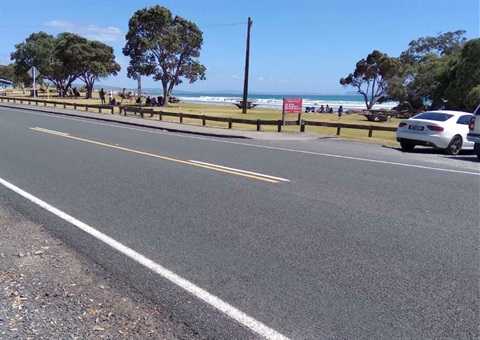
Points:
(166, 97)
(89, 88)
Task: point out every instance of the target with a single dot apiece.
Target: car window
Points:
(464, 120)
(437, 116)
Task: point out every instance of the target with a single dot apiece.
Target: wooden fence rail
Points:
(203, 118)
(339, 126)
(124, 110)
(110, 108)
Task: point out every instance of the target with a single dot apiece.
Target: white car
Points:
(442, 129)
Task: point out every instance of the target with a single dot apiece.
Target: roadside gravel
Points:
(49, 291)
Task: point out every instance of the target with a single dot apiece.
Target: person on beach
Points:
(123, 95)
(321, 109)
(340, 112)
(102, 96)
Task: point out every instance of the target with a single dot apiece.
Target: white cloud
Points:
(91, 32)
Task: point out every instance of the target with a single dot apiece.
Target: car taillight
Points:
(402, 124)
(471, 123)
(435, 128)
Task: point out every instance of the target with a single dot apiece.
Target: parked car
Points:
(474, 131)
(443, 129)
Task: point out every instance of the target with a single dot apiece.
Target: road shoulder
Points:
(48, 290)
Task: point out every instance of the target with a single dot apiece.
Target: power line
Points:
(222, 25)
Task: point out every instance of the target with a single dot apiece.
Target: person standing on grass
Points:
(123, 95)
(340, 112)
(102, 96)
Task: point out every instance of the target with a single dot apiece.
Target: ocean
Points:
(275, 101)
(266, 100)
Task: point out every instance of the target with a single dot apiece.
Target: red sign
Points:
(292, 105)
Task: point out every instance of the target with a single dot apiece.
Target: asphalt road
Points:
(317, 239)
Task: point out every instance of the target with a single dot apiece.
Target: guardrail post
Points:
(119, 110)
(279, 126)
(64, 105)
(370, 131)
(229, 122)
(44, 103)
(160, 116)
(99, 109)
(86, 107)
(55, 104)
(181, 117)
(338, 130)
(302, 125)
(36, 102)
(258, 124)
(74, 106)
(204, 122)
(141, 112)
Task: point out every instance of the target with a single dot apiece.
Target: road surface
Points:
(299, 239)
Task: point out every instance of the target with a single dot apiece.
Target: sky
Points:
(296, 46)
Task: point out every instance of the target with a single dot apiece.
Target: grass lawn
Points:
(380, 137)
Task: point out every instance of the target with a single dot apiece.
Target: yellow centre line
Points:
(154, 155)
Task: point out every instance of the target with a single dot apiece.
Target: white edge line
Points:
(234, 313)
(242, 171)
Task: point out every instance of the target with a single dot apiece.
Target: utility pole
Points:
(247, 62)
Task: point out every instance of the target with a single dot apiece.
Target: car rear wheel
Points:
(407, 145)
(455, 145)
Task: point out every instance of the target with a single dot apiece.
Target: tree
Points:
(65, 70)
(36, 50)
(63, 59)
(88, 60)
(441, 45)
(44, 52)
(8, 72)
(460, 78)
(473, 98)
(422, 63)
(164, 47)
(372, 75)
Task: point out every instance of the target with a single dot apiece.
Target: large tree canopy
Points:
(459, 82)
(425, 60)
(164, 47)
(88, 60)
(441, 45)
(372, 75)
(37, 50)
(8, 72)
(65, 58)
